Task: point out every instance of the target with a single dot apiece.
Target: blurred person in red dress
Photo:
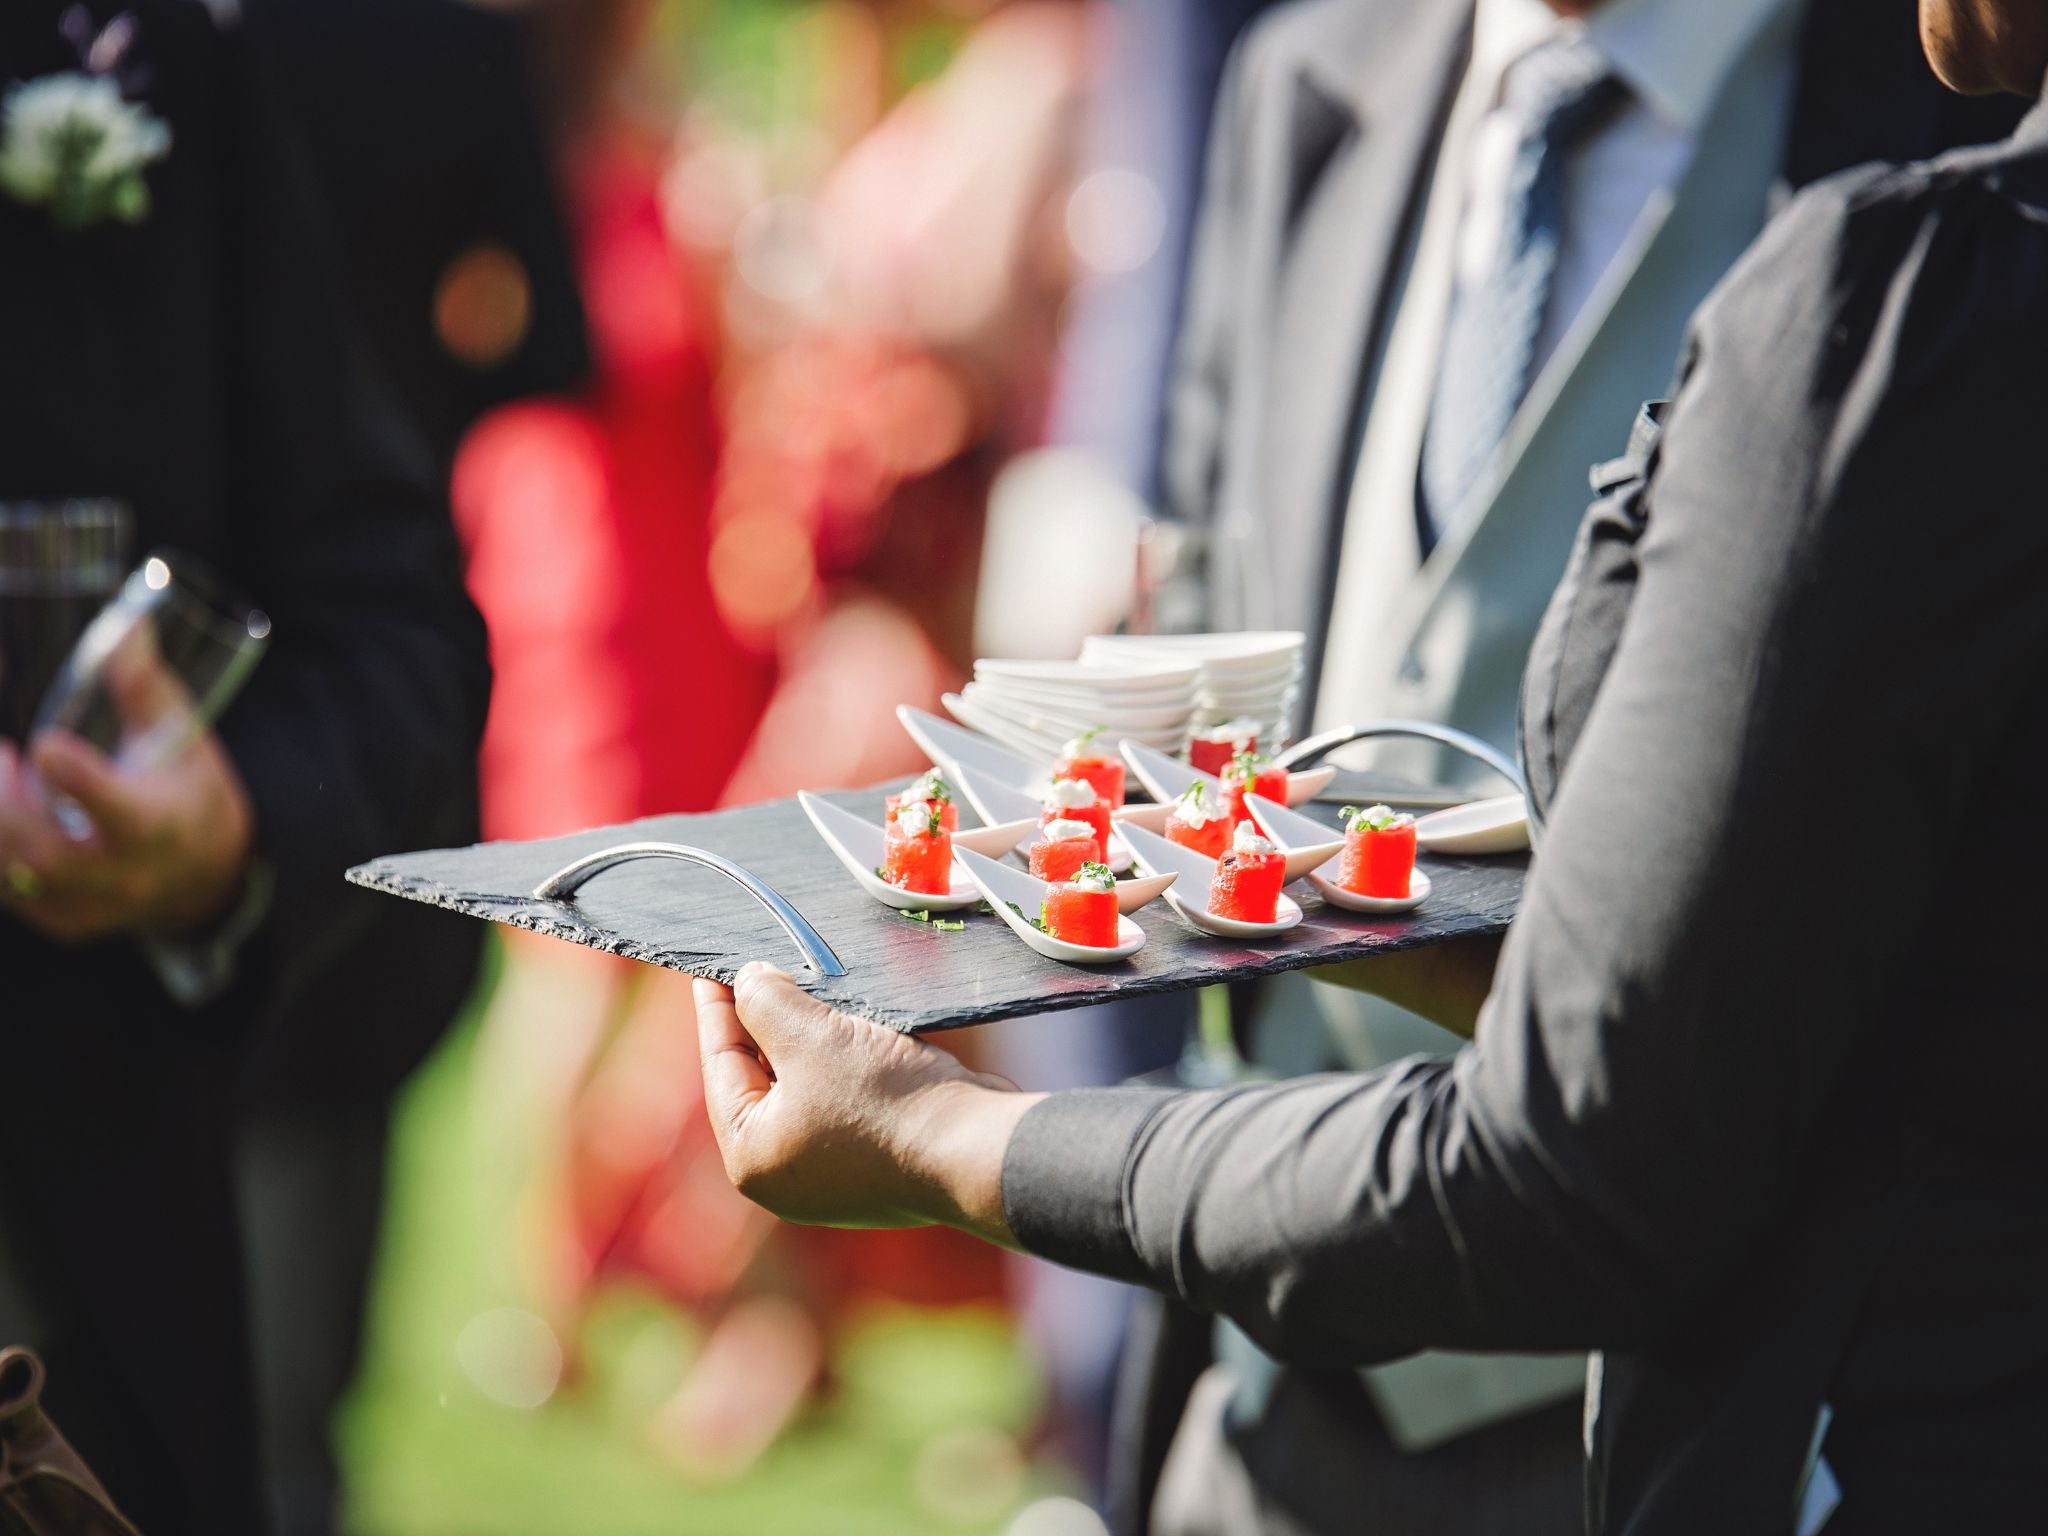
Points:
(621, 692)
(714, 574)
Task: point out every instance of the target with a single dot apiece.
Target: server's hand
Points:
(830, 1120)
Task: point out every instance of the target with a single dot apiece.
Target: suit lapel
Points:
(1359, 125)
(1626, 341)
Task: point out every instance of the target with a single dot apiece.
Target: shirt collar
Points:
(1674, 54)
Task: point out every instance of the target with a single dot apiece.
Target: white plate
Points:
(1081, 715)
(1251, 701)
(999, 804)
(859, 845)
(1135, 675)
(1224, 651)
(1284, 826)
(1168, 777)
(1074, 695)
(1162, 856)
(950, 747)
(1000, 885)
(1029, 717)
(1038, 746)
(1499, 825)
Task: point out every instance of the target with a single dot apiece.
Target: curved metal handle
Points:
(563, 884)
(1309, 751)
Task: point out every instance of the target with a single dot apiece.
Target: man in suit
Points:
(454, 140)
(187, 351)
(1445, 249)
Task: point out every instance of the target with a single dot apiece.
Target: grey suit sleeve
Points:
(1682, 995)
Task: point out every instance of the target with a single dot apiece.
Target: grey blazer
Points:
(1753, 1108)
(1320, 153)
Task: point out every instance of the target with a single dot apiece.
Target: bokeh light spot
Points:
(483, 305)
(762, 570)
(510, 1356)
(1116, 220)
(968, 1476)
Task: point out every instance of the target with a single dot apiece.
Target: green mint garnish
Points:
(1087, 739)
(1376, 819)
(944, 927)
(1245, 765)
(930, 786)
(916, 917)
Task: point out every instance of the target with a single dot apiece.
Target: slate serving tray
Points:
(900, 973)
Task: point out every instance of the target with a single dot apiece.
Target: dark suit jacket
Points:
(199, 366)
(421, 122)
(1320, 155)
(1753, 1106)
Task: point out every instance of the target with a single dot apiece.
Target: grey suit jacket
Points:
(1753, 1106)
(1320, 156)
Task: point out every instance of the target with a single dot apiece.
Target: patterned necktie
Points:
(1562, 91)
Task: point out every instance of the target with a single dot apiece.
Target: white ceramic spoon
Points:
(952, 747)
(1485, 826)
(1291, 828)
(1168, 777)
(1002, 884)
(1300, 860)
(999, 804)
(1162, 856)
(859, 844)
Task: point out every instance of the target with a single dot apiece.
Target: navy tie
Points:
(1563, 89)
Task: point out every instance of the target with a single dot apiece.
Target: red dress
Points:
(619, 690)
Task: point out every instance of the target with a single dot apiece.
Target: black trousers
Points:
(311, 1184)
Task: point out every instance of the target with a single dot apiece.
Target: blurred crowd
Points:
(737, 323)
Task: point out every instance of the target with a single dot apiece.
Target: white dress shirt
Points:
(1673, 55)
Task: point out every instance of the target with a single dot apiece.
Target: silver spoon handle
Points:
(1303, 753)
(563, 884)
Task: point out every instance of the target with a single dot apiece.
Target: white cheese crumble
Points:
(1070, 794)
(1247, 840)
(1065, 831)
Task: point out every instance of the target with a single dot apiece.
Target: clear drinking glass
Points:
(59, 563)
(158, 665)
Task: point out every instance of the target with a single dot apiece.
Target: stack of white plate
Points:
(1250, 676)
(1036, 707)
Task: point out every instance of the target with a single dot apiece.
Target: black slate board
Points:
(901, 973)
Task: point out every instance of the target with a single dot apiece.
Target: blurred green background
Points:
(919, 1433)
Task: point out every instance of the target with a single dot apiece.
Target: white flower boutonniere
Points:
(72, 143)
